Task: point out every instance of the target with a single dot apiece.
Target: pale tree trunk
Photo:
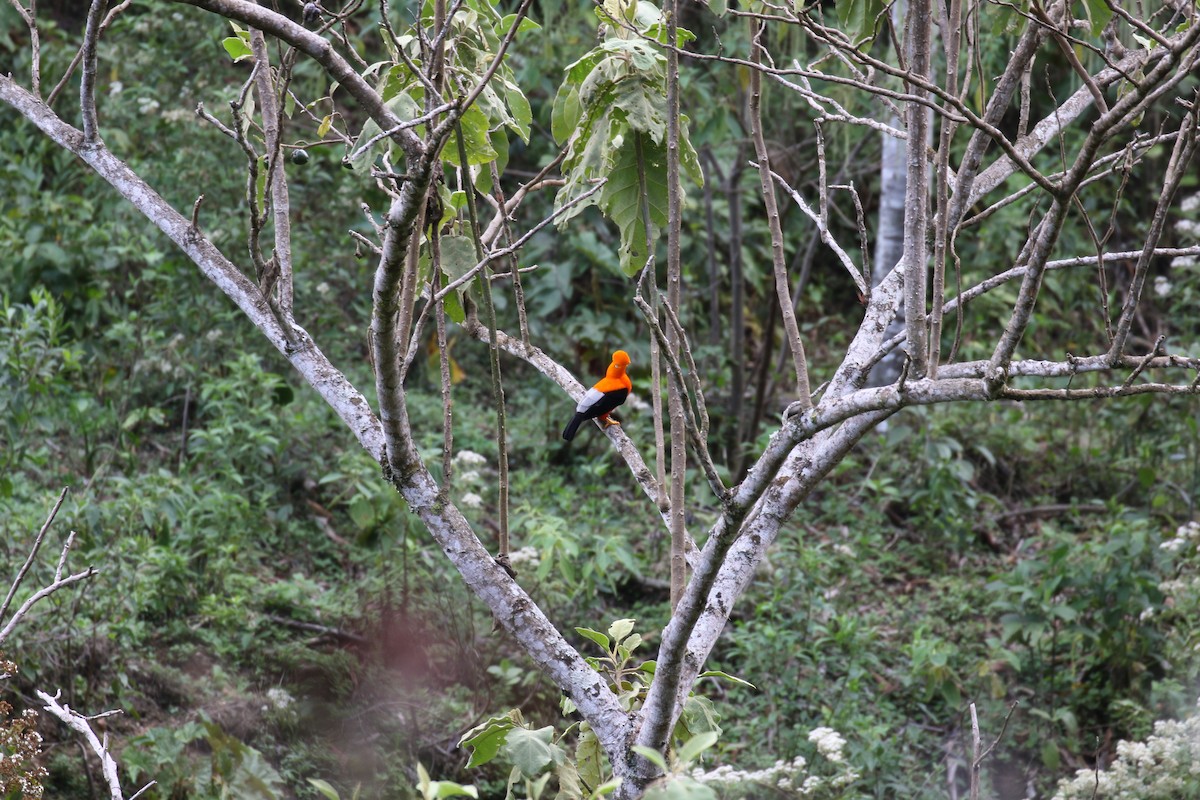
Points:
(889, 230)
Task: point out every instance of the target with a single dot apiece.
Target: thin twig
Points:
(62, 82)
(37, 544)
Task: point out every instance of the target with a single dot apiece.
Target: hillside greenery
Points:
(268, 613)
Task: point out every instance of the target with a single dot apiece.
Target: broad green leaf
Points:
(324, 788)
(458, 257)
(1098, 14)
(237, 49)
(651, 755)
(362, 512)
(522, 114)
(486, 739)
(699, 716)
(404, 107)
(858, 17)
(680, 788)
(530, 751)
(451, 789)
(506, 23)
(535, 787)
(606, 788)
(587, 759)
(693, 747)
(475, 136)
(621, 628)
(454, 308)
(595, 636)
(644, 106)
(644, 56)
(564, 118)
(580, 69)
(622, 199)
(569, 787)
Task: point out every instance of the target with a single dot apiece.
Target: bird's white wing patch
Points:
(590, 399)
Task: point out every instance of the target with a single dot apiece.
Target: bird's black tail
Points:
(573, 426)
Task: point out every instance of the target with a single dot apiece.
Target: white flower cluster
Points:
(788, 778)
(525, 557)
(829, 743)
(1188, 229)
(469, 462)
(1164, 767)
(781, 774)
(1185, 535)
(279, 698)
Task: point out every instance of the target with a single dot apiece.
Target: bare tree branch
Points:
(782, 288)
(82, 725)
(87, 86)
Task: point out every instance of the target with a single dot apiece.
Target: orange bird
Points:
(602, 398)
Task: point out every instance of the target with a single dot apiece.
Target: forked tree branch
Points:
(82, 725)
(320, 50)
(59, 582)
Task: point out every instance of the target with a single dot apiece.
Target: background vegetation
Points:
(269, 612)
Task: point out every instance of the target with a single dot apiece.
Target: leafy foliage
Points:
(610, 112)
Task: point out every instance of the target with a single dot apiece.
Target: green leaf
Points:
(451, 789)
(458, 256)
(1098, 14)
(486, 739)
(566, 113)
(699, 716)
(362, 512)
(1050, 755)
(506, 23)
(680, 788)
(587, 759)
(858, 17)
(324, 788)
(475, 128)
(237, 49)
(622, 198)
(404, 107)
(596, 636)
(692, 749)
(569, 787)
(522, 114)
(606, 788)
(530, 751)
(260, 183)
(716, 673)
(651, 755)
(621, 628)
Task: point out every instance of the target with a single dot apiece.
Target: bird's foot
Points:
(608, 421)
